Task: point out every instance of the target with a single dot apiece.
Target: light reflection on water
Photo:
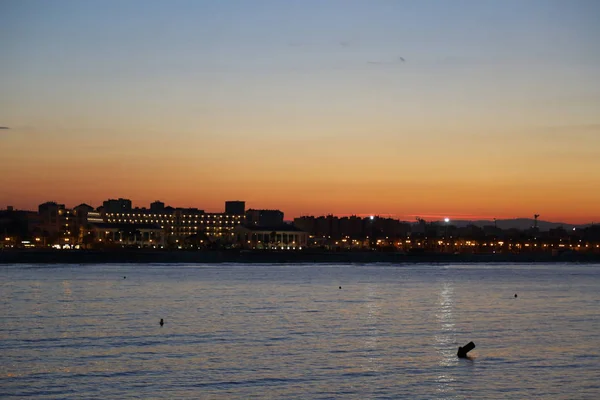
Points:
(288, 332)
(445, 339)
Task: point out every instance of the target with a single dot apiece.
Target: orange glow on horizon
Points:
(477, 122)
(404, 211)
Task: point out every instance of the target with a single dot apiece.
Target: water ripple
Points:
(243, 332)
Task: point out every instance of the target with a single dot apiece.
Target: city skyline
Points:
(463, 109)
(445, 218)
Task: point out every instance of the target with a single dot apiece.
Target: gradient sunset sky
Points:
(306, 106)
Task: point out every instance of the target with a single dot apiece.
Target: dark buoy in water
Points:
(340, 287)
(162, 322)
(124, 277)
(515, 295)
(462, 351)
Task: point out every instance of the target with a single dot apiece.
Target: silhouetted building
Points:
(351, 227)
(57, 223)
(264, 217)
(326, 226)
(157, 206)
(391, 228)
(117, 206)
(306, 224)
(235, 207)
(334, 228)
(52, 217)
(16, 225)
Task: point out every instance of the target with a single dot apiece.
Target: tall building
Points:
(157, 206)
(264, 217)
(52, 217)
(306, 223)
(16, 225)
(117, 206)
(351, 226)
(235, 207)
(57, 221)
(80, 217)
(328, 226)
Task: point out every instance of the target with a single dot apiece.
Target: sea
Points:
(301, 331)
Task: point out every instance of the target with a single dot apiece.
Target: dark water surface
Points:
(289, 332)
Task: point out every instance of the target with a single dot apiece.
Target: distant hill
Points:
(516, 223)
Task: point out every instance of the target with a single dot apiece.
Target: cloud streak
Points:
(400, 60)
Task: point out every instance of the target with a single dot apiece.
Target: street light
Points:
(371, 233)
(447, 221)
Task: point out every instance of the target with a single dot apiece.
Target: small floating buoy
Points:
(161, 322)
(462, 351)
(515, 295)
(124, 277)
(340, 287)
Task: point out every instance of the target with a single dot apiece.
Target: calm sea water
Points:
(289, 332)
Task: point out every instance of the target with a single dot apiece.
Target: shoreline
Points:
(260, 257)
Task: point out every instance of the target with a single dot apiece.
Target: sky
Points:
(465, 109)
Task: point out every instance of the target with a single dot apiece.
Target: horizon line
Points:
(410, 218)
